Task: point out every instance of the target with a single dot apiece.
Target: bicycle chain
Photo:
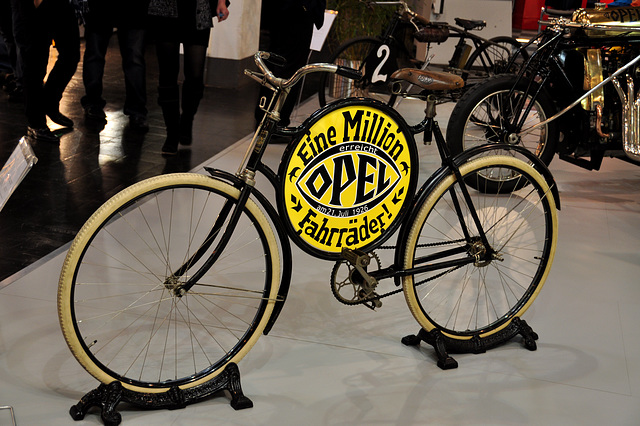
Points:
(391, 293)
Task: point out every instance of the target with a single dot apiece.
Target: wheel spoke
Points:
(505, 276)
(121, 308)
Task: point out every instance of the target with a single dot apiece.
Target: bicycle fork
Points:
(230, 214)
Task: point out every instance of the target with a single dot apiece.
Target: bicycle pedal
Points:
(376, 303)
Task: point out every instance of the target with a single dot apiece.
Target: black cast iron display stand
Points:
(107, 397)
(444, 345)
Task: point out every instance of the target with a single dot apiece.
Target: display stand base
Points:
(444, 345)
(107, 397)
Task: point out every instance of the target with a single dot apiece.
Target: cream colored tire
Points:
(481, 298)
(118, 306)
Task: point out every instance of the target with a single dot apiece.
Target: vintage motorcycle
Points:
(574, 96)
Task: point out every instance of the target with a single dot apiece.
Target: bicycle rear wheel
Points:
(119, 304)
(482, 297)
(375, 61)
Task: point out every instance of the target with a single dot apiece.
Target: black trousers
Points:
(6, 28)
(290, 32)
(132, 47)
(34, 29)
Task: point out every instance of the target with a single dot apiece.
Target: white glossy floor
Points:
(325, 363)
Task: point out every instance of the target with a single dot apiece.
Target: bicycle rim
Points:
(118, 309)
(482, 297)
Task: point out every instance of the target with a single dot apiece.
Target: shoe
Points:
(94, 112)
(59, 118)
(42, 134)
(170, 146)
(138, 123)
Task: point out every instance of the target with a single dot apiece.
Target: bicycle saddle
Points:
(429, 80)
(471, 24)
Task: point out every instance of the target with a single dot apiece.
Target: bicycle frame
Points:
(458, 59)
(405, 14)
(251, 164)
(360, 180)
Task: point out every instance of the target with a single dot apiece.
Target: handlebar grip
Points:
(421, 19)
(348, 72)
(276, 59)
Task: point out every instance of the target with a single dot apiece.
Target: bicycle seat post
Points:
(429, 114)
(433, 129)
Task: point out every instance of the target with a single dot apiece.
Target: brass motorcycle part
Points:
(612, 78)
(599, 122)
(593, 76)
(603, 16)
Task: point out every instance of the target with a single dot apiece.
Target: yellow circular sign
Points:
(347, 178)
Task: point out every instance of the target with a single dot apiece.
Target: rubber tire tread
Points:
(426, 207)
(97, 219)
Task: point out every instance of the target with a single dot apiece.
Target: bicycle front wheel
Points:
(120, 306)
(376, 63)
(484, 296)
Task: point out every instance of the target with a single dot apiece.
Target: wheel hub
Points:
(479, 252)
(173, 284)
(513, 139)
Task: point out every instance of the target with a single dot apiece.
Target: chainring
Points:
(348, 285)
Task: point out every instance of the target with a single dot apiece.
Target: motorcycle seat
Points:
(429, 80)
(471, 24)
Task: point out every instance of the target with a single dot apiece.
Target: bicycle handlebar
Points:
(267, 78)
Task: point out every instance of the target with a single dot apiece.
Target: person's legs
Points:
(290, 33)
(65, 32)
(132, 47)
(192, 89)
(96, 43)
(14, 85)
(33, 41)
(168, 92)
(292, 41)
(6, 31)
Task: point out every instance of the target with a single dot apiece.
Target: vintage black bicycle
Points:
(171, 282)
(474, 58)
